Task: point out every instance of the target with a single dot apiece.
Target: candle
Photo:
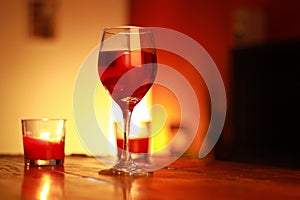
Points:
(43, 141)
(139, 143)
(40, 148)
(136, 145)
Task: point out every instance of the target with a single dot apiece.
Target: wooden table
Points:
(184, 179)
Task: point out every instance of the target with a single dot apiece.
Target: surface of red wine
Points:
(127, 75)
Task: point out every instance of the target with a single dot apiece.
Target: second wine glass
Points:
(127, 68)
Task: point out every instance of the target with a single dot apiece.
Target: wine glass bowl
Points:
(127, 67)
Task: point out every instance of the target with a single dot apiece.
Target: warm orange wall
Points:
(205, 21)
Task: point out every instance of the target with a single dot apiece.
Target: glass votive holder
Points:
(44, 141)
(139, 139)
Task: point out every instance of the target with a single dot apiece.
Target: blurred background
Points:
(254, 43)
(39, 65)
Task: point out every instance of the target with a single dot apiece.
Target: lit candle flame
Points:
(45, 135)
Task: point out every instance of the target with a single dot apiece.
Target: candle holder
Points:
(44, 141)
(139, 140)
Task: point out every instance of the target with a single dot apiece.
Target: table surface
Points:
(185, 178)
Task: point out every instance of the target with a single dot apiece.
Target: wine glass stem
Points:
(127, 117)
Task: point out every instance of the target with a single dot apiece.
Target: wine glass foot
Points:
(127, 168)
(113, 171)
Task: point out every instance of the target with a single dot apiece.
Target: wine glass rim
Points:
(127, 30)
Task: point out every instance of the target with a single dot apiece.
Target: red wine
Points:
(127, 75)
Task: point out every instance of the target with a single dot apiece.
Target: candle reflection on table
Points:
(45, 182)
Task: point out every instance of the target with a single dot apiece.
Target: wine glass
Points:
(127, 67)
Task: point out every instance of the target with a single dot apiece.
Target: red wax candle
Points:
(35, 148)
(136, 145)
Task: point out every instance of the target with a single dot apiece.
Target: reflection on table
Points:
(185, 178)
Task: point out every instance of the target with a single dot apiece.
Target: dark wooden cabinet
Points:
(264, 110)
